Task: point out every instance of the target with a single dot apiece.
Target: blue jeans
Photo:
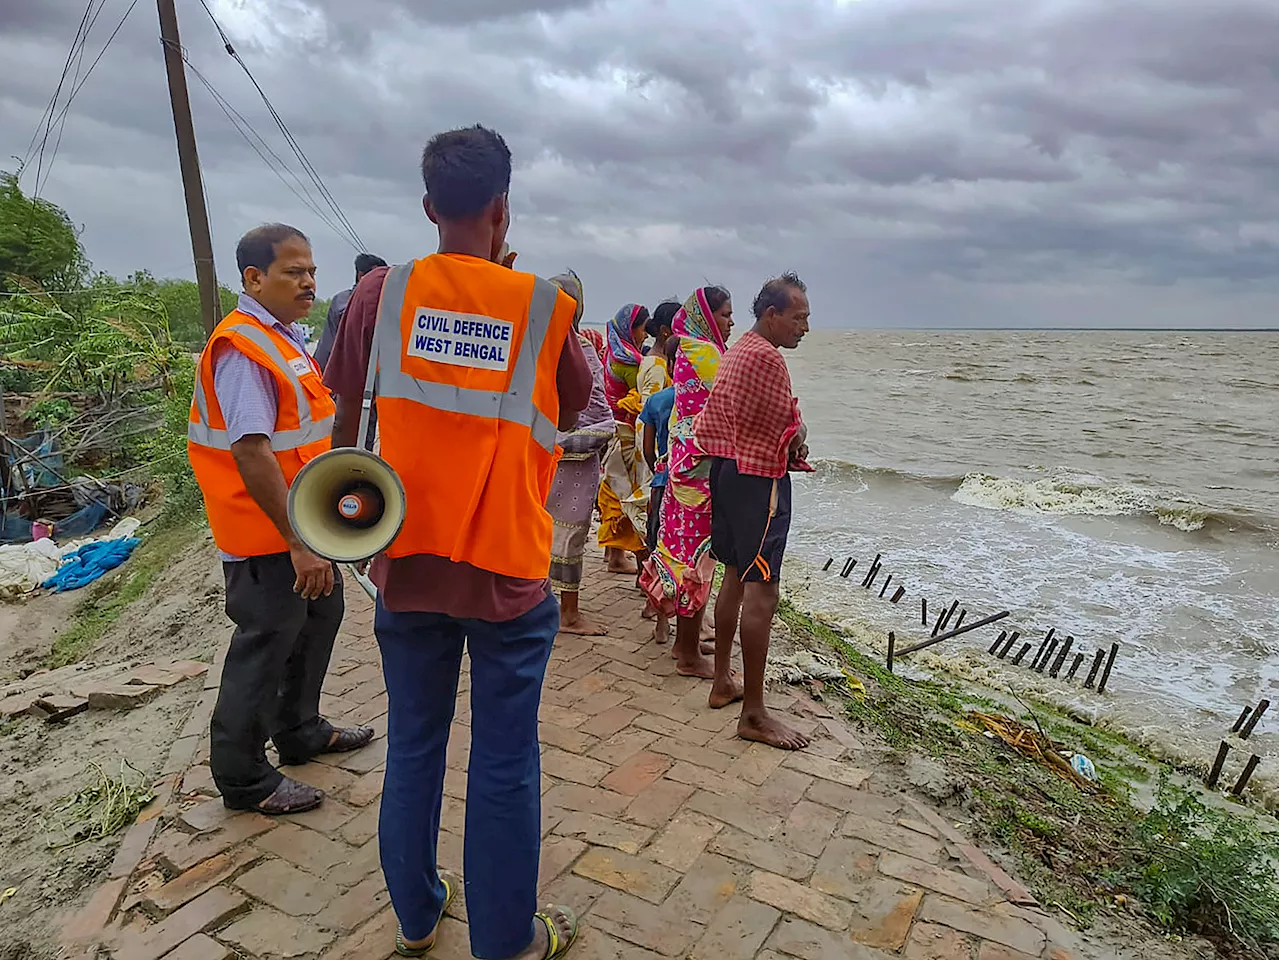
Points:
(421, 656)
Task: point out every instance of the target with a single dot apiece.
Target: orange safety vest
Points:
(463, 365)
(304, 424)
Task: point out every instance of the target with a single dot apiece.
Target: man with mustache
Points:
(259, 412)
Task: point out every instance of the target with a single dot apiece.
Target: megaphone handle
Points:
(365, 583)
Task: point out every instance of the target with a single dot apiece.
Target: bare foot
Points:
(582, 627)
(766, 728)
(708, 631)
(707, 648)
(724, 693)
(622, 564)
(662, 630)
(702, 668)
(650, 612)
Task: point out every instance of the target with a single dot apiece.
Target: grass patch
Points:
(106, 599)
(1189, 868)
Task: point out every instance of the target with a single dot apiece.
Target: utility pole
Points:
(189, 162)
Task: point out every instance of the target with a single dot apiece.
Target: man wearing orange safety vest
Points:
(474, 366)
(259, 412)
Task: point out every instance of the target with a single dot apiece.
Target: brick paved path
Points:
(671, 837)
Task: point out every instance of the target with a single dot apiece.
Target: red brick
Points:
(758, 823)
(689, 733)
(206, 911)
(737, 932)
(861, 800)
(833, 770)
(845, 868)
(589, 685)
(369, 942)
(200, 947)
(366, 789)
(203, 876)
(929, 941)
(683, 840)
(698, 756)
(636, 921)
(608, 722)
(809, 827)
(574, 741)
(285, 887)
(761, 853)
(604, 831)
(181, 851)
(571, 796)
(890, 836)
(91, 920)
(131, 849)
(322, 776)
(955, 885)
(561, 716)
(367, 758)
(791, 897)
(556, 856)
(266, 933)
(642, 878)
(797, 938)
(657, 803)
(883, 912)
(724, 785)
(571, 767)
(707, 886)
(781, 792)
(598, 703)
(995, 951)
(118, 696)
(636, 774)
(621, 747)
(357, 905)
(662, 705)
(995, 923)
(757, 763)
(199, 779)
(330, 816)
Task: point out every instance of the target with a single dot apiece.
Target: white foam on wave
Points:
(1063, 496)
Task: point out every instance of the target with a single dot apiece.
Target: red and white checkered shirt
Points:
(751, 414)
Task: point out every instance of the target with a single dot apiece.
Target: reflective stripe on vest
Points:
(515, 405)
(309, 430)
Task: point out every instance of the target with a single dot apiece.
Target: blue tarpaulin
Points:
(89, 563)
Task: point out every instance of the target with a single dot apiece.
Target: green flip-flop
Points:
(404, 950)
(555, 946)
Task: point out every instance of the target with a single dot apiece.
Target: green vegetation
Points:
(1187, 866)
(106, 806)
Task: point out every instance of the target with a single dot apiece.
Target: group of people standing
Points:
(678, 435)
(508, 426)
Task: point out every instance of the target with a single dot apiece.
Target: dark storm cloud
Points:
(937, 162)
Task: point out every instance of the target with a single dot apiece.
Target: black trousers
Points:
(271, 679)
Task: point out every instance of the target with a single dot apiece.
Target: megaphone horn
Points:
(346, 505)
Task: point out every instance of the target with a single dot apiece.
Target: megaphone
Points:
(346, 505)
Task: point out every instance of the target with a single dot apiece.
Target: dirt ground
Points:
(179, 616)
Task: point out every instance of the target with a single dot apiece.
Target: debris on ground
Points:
(56, 695)
(801, 666)
(26, 566)
(106, 806)
(1033, 744)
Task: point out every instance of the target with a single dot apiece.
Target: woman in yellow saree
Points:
(624, 490)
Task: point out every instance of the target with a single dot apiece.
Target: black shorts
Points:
(655, 514)
(750, 520)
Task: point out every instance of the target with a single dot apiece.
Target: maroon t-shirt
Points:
(423, 583)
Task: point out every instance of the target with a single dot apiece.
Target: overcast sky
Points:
(919, 162)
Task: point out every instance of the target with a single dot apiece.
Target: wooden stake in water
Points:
(1106, 671)
(1040, 649)
(977, 624)
(1249, 767)
(1075, 665)
(1008, 645)
(1043, 662)
(924, 612)
(1244, 715)
(1062, 657)
(1026, 648)
(1215, 771)
(1093, 670)
(999, 640)
(849, 564)
(885, 586)
(897, 594)
(827, 566)
(1258, 711)
(889, 659)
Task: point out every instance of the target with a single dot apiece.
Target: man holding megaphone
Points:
(474, 366)
(258, 414)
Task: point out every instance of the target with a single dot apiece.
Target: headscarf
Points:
(595, 424)
(595, 338)
(695, 321)
(622, 357)
(571, 284)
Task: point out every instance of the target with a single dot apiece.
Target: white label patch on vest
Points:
(300, 366)
(461, 339)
